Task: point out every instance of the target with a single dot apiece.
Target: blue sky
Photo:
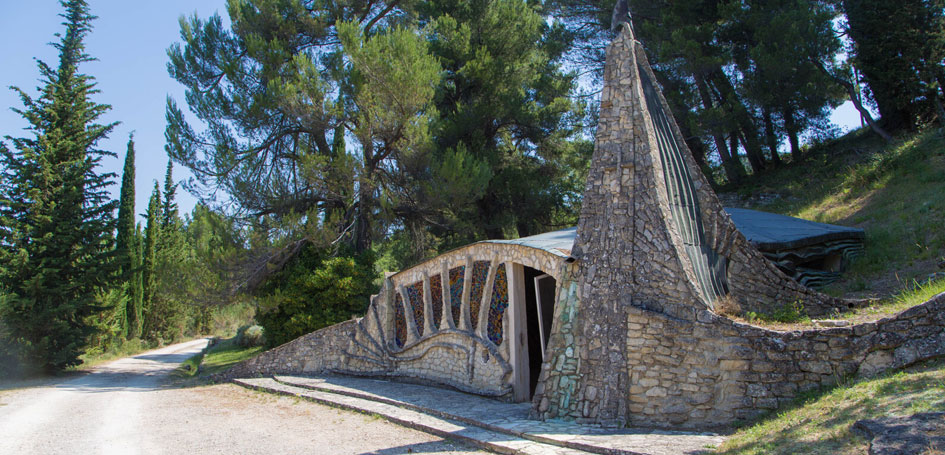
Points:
(130, 41)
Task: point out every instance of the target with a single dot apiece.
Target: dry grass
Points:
(820, 422)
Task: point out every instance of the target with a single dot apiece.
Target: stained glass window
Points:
(479, 275)
(415, 294)
(400, 321)
(436, 293)
(498, 305)
(456, 291)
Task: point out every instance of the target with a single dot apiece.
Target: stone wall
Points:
(637, 340)
(317, 352)
(713, 371)
(444, 321)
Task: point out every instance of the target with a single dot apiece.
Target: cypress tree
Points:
(125, 239)
(169, 209)
(135, 283)
(56, 218)
(126, 212)
(149, 258)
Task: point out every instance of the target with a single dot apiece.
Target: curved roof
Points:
(770, 231)
(555, 242)
(767, 231)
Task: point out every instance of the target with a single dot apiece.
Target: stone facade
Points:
(401, 337)
(314, 353)
(637, 340)
(635, 336)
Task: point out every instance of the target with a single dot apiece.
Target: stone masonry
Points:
(638, 341)
(449, 351)
(636, 338)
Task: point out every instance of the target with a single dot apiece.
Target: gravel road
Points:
(126, 407)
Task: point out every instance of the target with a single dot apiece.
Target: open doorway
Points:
(539, 311)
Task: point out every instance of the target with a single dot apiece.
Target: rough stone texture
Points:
(316, 352)
(637, 341)
(635, 338)
(915, 434)
(441, 352)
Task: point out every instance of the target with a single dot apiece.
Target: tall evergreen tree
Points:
(56, 218)
(149, 258)
(135, 287)
(126, 212)
(382, 116)
(125, 242)
(169, 206)
(898, 49)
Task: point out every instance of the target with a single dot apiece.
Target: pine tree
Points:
(56, 219)
(149, 258)
(898, 50)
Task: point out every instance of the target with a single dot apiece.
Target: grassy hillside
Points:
(895, 192)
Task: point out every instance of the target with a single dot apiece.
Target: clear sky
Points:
(130, 40)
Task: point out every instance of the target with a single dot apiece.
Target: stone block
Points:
(656, 392)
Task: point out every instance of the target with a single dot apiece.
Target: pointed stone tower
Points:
(655, 255)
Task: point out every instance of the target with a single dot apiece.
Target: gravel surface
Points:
(125, 407)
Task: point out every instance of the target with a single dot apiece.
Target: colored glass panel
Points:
(456, 291)
(436, 294)
(498, 305)
(479, 275)
(400, 321)
(415, 294)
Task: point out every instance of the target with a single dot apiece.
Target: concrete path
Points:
(491, 424)
(124, 407)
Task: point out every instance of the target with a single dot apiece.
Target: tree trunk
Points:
(743, 117)
(365, 202)
(734, 171)
(770, 137)
(683, 115)
(851, 92)
(791, 128)
(937, 98)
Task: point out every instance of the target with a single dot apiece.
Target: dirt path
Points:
(123, 408)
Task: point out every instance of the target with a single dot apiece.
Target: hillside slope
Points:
(820, 423)
(895, 192)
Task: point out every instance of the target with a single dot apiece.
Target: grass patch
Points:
(217, 358)
(226, 354)
(917, 294)
(789, 313)
(894, 192)
(820, 422)
(188, 368)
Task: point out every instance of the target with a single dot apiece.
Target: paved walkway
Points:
(498, 426)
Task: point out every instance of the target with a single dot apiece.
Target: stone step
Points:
(480, 437)
(508, 418)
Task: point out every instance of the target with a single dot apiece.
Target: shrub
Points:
(313, 291)
(250, 336)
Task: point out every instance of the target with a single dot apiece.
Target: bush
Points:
(313, 291)
(250, 336)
